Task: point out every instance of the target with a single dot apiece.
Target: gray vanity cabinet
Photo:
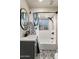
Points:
(27, 49)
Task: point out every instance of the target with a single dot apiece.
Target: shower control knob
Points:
(52, 38)
(52, 33)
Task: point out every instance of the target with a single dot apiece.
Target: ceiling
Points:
(43, 4)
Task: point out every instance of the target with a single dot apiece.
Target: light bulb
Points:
(40, 0)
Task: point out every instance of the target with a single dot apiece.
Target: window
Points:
(39, 22)
(43, 24)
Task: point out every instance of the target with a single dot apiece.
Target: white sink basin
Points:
(29, 38)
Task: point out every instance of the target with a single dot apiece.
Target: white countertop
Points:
(29, 38)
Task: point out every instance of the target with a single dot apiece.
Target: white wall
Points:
(23, 4)
(45, 9)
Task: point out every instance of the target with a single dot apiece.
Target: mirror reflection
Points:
(23, 18)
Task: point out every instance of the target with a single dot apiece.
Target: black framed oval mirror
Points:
(24, 18)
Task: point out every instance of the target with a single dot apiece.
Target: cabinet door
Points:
(27, 48)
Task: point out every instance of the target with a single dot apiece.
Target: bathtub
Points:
(45, 41)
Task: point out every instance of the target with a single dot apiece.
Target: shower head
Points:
(50, 18)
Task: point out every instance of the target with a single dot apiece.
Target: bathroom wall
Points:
(23, 4)
(44, 9)
(53, 28)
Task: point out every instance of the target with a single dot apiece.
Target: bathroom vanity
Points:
(28, 47)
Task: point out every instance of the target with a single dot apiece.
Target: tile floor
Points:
(46, 54)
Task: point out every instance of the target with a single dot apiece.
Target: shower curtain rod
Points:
(46, 12)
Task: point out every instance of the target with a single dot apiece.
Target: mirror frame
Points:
(21, 19)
